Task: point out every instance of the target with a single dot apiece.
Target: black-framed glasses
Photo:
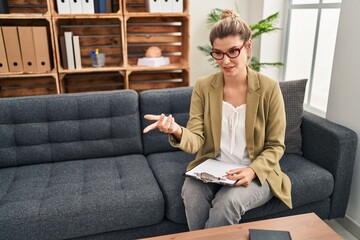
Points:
(232, 53)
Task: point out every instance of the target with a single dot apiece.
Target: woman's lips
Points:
(227, 69)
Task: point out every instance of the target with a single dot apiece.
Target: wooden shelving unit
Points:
(123, 35)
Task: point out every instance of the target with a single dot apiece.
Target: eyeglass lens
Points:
(232, 53)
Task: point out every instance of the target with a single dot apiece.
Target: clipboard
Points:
(213, 171)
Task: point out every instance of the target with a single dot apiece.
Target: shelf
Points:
(81, 82)
(173, 66)
(18, 21)
(104, 33)
(143, 80)
(92, 70)
(32, 84)
(23, 74)
(147, 14)
(28, 7)
(170, 34)
(123, 35)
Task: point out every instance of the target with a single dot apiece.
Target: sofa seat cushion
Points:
(75, 198)
(310, 183)
(168, 168)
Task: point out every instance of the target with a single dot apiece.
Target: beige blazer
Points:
(265, 123)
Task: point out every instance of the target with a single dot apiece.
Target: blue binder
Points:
(4, 7)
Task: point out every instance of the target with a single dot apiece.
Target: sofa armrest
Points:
(332, 147)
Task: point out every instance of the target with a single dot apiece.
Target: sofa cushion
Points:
(44, 129)
(310, 183)
(168, 168)
(293, 93)
(76, 198)
(175, 101)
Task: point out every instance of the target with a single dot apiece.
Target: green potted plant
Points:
(263, 26)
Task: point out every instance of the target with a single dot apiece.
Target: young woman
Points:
(237, 115)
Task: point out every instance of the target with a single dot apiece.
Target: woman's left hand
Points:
(242, 176)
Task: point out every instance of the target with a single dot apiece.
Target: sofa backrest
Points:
(52, 128)
(175, 101)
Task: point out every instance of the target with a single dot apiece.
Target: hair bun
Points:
(228, 13)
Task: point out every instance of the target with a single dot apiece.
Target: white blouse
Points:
(233, 142)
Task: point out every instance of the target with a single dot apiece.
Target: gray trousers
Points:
(210, 205)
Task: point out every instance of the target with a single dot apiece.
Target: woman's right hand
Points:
(164, 124)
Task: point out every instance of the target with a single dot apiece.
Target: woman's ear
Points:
(248, 47)
(248, 44)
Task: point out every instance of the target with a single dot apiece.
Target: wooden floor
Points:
(337, 227)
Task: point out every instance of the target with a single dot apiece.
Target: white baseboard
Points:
(351, 225)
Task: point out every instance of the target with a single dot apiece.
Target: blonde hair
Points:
(230, 25)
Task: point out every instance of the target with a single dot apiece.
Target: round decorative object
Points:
(153, 52)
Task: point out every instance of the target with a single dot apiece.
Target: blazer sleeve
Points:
(193, 135)
(275, 123)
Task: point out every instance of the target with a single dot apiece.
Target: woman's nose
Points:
(226, 59)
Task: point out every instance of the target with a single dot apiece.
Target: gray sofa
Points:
(77, 166)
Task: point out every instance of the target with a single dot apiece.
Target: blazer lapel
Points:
(252, 102)
(215, 100)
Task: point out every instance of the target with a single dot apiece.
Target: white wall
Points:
(272, 44)
(344, 97)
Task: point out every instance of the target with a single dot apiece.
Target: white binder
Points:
(77, 52)
(177, 6)
(69, 50)
(166, 6)
(87, 6)
(63, 6)
(75, 6)
(153, 6)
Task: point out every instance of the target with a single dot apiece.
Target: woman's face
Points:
(231, 45)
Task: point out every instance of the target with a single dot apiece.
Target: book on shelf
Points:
(76, 7)
(63, 6)
(153, 6)
(166, 6)
(88, 6)
(69, 50)
(77, 52)
(3, 59)
(102, 6)
(214, 171)
(12, 46)
(63, 55)
(27, 47)
(4, 7)
(41, 43)
(108, 6)
(177, 6)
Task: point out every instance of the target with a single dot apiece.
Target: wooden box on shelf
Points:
(15, 86)
(38, 76)
(83, 82)
(39, 7)
(102, 33)
(170, 34)
(143, 80)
